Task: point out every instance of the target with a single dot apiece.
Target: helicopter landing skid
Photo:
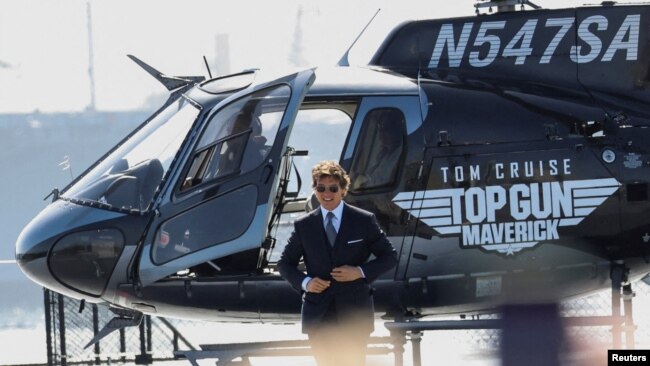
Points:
(228, 352)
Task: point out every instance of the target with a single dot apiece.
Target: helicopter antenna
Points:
(66, 165)
(207, 66)
(91, 68)
(170, 82)
(344, 60)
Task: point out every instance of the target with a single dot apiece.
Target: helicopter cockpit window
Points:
(128, 178)
(85, 260)
(239, 137)
(380, 146)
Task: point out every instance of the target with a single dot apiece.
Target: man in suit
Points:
(335, 241)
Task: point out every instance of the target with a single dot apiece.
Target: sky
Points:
(44, 44)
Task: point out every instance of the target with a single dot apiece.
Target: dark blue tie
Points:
(329, 228)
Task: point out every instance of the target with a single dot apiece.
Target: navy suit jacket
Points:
(358, 237)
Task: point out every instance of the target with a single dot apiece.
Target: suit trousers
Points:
(336, 344)
(333, 347)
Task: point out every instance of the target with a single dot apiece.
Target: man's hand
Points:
(346, 273)
(317, 285)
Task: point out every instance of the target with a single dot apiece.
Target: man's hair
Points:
(330, 168)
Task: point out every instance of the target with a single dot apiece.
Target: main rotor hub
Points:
(503, 5)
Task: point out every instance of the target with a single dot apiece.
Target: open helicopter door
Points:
(219, 200)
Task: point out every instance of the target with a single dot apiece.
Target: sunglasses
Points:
(332, 188)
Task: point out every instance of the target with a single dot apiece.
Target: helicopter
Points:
(518, 174)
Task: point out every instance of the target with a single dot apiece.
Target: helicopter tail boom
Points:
(599, 50)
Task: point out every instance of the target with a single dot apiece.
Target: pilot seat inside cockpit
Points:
(136, 185)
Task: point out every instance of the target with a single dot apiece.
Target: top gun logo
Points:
(537, 211)
(524, 43)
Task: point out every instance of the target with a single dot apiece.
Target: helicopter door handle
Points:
(443, 138)
(267, 172)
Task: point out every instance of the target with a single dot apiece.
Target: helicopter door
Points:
(222, 197)
(382, 157)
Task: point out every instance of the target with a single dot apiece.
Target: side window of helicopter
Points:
(238, 138)
(378, 151)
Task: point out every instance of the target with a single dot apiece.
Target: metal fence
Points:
(595, 305)
(70, 325)
(69, 328)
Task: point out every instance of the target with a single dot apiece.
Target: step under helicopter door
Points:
(222, 194)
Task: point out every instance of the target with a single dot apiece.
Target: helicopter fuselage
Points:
(506, 158)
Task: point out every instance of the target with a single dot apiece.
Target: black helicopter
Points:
(519, 143)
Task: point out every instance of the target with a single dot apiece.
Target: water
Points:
(23, 345)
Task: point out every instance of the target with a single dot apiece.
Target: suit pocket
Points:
(356, 241)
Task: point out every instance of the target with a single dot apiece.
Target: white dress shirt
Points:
(338, 215)
(336, 221)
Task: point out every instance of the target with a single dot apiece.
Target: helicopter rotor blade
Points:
(170, 82)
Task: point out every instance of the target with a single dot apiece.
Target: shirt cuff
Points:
(363, 275)
(305, 282)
